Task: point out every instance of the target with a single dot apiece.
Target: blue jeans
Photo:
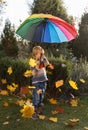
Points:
(38, 98)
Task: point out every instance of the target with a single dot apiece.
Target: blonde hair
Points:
(35, 50)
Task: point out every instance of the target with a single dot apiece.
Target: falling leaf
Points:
(39, 91)
(15, 85)
(41, 117)
(53, 119)
(31, 87)
(6, 123)
(24, 90)
(11, 88)
(6, 104)
(3, 92)
(82, 80)
(86, 128)
(59, 83)
(73, 84)
(27, 111)
(3, 81)
(9, 71)
(74, 102)
(28, 73)
(51, 66)
(32, 62)
(53, 101)
(28, 102)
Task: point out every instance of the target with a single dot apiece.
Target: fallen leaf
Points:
(86, 128)
(53, 119)
(55, 112)
(74, 102)
(59, 109)
(6, 123)
(53, 101)
(74, 120)
(59, 83)
(3, 92)
(41, 117)
(6, 104)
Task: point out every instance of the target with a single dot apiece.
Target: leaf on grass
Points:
(32, 62)
(9, 70)
(55, 112)
(5, 104)
(3, 92)
(86, 128)
(74, 102)
(6, 123)
(59, 83)
(41, 117)
(39, 91)
(59, 109)
(53, 119)
(82, 80)
(3, 81)
(27, 73)
(74, 120)
(73, 84)
(53, 101)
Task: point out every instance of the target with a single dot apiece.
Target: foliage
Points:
(80, 45)
(8, 40)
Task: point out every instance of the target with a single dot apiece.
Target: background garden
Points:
(69, 62)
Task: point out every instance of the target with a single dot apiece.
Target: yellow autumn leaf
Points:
(11, 88)
(9, 71)
(73, 84)
(6, 123)
(6, 104)
(41, 117)
(15, 85)
(74, 102)
(82, 80)
(3, 81)
(55, 112)
(53, 101)
(32, 62)
(39, 91)
(53, 119)
(31, 87)
(59, 83)
(27, 73)
(3, 92)
(27, 111)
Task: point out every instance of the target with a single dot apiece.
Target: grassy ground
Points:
(16, 122)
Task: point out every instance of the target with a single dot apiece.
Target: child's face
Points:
(38, 55)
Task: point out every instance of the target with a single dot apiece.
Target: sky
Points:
(18, 10)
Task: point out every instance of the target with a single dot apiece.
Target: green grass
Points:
(11, 114)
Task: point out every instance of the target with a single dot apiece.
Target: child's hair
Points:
(35, 50)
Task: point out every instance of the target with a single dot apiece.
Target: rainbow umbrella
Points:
(46, 28)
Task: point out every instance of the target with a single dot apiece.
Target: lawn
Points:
(11, 114)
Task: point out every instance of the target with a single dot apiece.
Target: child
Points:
(39, 78)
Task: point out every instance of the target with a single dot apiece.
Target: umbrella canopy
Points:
(46, 28)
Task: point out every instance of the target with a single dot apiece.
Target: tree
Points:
(54, 7)
(80, 45)
(9, 41)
